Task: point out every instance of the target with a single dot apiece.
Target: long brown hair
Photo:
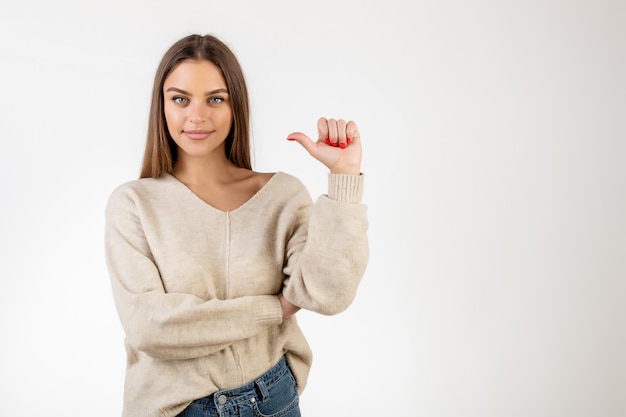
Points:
(161, 151)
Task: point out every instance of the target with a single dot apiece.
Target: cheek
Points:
(227, 118)
(172, 118)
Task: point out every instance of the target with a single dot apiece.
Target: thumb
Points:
(303, 140)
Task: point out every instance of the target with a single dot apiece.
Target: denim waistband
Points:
(257, 388)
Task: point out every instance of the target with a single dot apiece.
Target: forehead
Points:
(190, 74)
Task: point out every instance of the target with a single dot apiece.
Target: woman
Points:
(210, 261)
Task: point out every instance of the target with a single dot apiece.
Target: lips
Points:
(197, 134)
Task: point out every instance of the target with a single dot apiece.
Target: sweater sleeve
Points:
(171, 325)
(328, 251)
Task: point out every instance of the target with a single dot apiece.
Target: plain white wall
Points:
(494, 136)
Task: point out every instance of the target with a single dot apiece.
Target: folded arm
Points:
(172, 325)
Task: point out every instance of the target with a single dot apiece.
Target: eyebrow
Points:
(178, 90)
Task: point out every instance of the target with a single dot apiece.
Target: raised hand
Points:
(338, 145)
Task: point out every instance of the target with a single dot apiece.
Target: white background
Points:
(495, 147)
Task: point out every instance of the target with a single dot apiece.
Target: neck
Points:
(203, 170)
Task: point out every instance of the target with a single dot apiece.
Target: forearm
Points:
(181, 326)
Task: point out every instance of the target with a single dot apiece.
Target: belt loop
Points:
(265, 394)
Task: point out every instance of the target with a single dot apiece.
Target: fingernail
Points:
(327, 141)
(335, 144)
(342, 145)
(291, 139)
(348, 140)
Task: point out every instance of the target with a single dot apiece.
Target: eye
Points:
(216, 100)
(179, 100)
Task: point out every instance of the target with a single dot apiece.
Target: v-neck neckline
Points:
(196, 197)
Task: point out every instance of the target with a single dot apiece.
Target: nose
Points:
(198, 113)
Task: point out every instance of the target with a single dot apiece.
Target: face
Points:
(197, 109)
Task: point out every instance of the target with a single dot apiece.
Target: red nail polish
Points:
(290, 139)
(342, 145)
(327, 141)
(335, 144)
(348, 140)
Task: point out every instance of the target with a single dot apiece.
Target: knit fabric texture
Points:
(196, 287)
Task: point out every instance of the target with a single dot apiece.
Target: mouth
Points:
(197, 134)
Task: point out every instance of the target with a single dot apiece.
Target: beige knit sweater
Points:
(195, 287)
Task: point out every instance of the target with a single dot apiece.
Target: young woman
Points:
(210, 261)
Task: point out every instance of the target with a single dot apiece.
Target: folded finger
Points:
(322, 130)
(341, 133)
(352, 132)
(333, 134)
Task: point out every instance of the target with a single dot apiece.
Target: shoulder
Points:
(286, 187)
(288, 182)
(286, 191)
(134, 191)
(277, 183)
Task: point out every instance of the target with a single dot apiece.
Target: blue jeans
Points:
(273, 394)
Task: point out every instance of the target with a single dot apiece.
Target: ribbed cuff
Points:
(345, 188)
(267, 310)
